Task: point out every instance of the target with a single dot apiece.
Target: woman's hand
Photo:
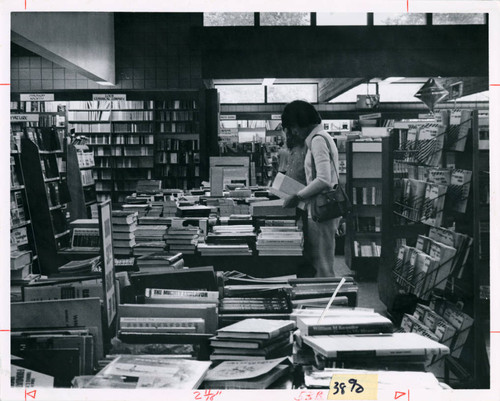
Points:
(291, 201)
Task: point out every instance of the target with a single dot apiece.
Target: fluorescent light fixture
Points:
(104, 83)
(390, 80)
(268, 81)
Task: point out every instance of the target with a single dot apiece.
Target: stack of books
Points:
(229, 240)
(272, 208)
(193, 211)
(160, 261)
(317, 291)
(398, 351)
(149, 239)
(169, 208)
(155, 210)
(124, 226)
(140, 208)
(280, 241)
(256, 301)
(20, 265)
(253, 339)
(183, 239)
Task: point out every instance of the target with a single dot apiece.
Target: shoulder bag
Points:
(332, 203)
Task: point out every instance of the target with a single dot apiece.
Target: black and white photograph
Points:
(292, 199)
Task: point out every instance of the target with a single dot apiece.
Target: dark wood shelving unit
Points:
(366, 181)
(49, 220)
(83, 196)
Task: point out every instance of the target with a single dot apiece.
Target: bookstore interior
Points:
(150, 245)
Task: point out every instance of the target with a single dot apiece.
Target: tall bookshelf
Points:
(81, 183)
(455, 164)
(45, 123)
(121, 135)
(164, 137)
(22, 237)
(364, 187)
(177, 142)
(48, 197)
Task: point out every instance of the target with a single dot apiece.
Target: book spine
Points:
(349, 329)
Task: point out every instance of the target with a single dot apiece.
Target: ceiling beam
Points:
(330, 88)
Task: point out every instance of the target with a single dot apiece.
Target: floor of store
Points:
(368, 290)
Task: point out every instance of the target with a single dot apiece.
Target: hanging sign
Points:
(109, 96)
(37, 97)
(275, 116)
(228, 116)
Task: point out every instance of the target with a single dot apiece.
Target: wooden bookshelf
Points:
(47, 201)
(22, 237)
(163, 137)
(364, 187)
(81, 182)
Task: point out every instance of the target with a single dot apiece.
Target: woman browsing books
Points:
(302, 122)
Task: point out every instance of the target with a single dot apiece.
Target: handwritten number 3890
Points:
(356, 387)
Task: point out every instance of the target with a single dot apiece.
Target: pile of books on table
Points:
(253, 339)
(124, 226)
(193, 211)
(160, 261)
(229, 240)
(254, 302)
(183, 239)
(20, 265)
(397, 351)
(280, 241)
(316, 291)
(149, 239)
(140, 208)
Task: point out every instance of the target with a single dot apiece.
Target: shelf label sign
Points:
(275, 116)
(37, 97)
(109, 96)
(372, 116)
(228, 116)
(16, 118)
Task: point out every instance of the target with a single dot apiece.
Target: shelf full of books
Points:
(81, 181)
(431, 219)
(47, 194)
(23, 252)
(141, 140)
(364, 186)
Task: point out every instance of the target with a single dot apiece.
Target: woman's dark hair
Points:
(299, 114)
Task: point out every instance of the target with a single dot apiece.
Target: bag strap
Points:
(331, 159)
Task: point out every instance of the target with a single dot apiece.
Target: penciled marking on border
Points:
(353, 387)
